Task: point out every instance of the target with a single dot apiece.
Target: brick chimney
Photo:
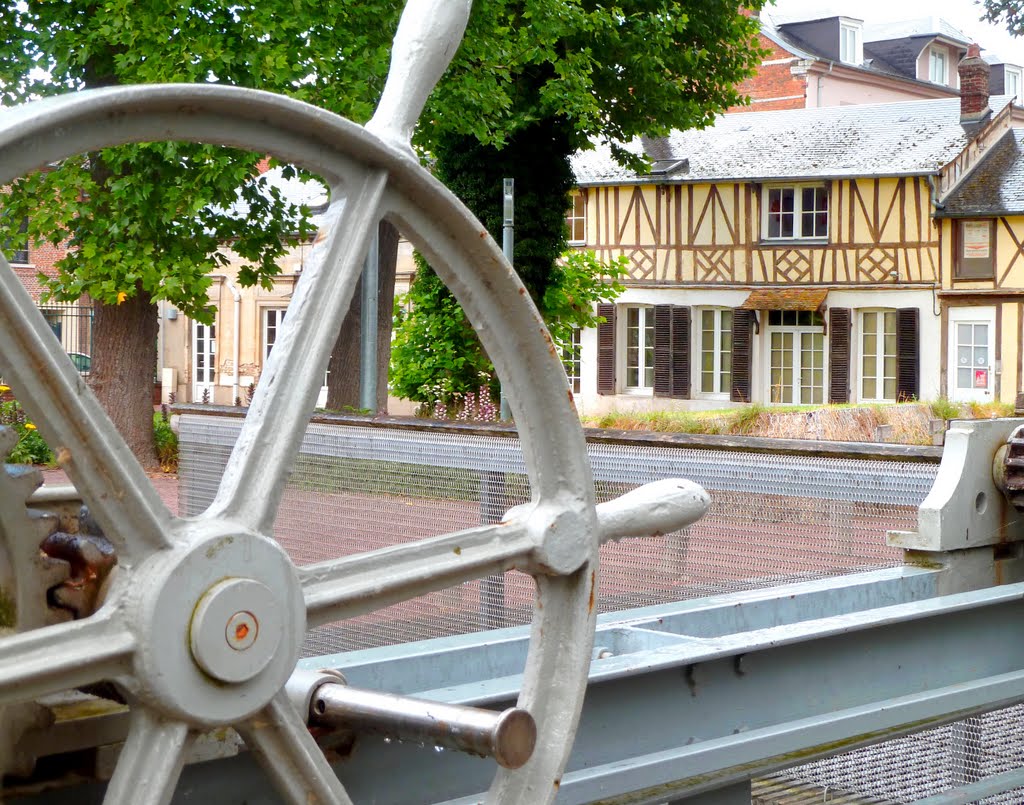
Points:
(974, 72)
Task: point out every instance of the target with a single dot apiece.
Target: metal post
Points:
(507, 247)
(368, 328)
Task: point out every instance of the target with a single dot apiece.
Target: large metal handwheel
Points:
(203, 624)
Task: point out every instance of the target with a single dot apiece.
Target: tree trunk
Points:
(123, 361)
(343, 380)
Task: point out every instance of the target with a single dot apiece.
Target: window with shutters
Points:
(878, 357)
(796, 357)
(795, 212)
(715, 351)
(576, 220)
(639, 353)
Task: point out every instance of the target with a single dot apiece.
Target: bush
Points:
(31, 448)
(166, 441)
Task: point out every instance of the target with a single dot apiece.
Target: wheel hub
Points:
(220, 623)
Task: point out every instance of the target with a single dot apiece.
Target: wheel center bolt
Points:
(242, 630)
(236, 629)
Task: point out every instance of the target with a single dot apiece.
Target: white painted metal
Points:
(144, 637)
(965, 509)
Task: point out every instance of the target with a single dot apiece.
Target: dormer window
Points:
(938, 71)
(1012, 82)
(851, 43)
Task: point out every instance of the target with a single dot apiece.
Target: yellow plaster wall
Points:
(720, 242)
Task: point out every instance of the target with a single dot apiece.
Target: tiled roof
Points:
(911, 138)
(923, 26)
(995, 186)
(785, 299)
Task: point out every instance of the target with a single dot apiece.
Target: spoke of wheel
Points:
(63, 656)
(281, 742)
(352, 585)
(151, 761)
(554, 682)
(286, 395)
(88, 447)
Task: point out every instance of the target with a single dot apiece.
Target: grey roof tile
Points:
(893, 139)
(994, 187)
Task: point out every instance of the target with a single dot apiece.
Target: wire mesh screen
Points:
(773, 518)
(909, 769)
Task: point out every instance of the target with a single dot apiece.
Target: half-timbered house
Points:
(786, 256)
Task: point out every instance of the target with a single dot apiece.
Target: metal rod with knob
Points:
(509, 736)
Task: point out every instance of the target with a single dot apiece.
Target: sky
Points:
(963, 14)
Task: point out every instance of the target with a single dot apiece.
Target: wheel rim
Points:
(554, 539)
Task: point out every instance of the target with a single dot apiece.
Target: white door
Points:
(204, 360)
(971, 362)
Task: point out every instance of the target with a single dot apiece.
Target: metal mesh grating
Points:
(906, 770)
(773, 518)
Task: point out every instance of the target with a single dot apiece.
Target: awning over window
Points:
(785, 299)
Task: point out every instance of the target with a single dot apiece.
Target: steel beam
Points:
(691, 697)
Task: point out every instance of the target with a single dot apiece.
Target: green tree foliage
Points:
(146, 222)
(1005, 12)
(435, 356)
(578, 282)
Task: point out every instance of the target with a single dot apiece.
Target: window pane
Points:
(980, 356)
(963, 378)
(963, 356)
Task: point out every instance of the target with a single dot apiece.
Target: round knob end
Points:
(236, 629)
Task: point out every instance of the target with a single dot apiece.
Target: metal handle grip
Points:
(509, 737)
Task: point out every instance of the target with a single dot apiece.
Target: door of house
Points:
(796, 365)
(204, 360)
(971, 362)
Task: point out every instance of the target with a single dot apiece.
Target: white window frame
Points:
(645, 324)
(940, 57)
(1018, 79)
(720, 390)
(851, 37)
(577, 218)
(572, 360)
(797, 212)
(209, 338)
(798, 330)
(879, 354)
(266, 344)
(972, 316)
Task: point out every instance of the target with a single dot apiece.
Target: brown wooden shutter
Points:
(908, 348)
(742, 338)
(662, 350)
(681, 352)
(839, 320)
(606, 350)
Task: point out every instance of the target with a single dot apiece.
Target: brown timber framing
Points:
(707, 234)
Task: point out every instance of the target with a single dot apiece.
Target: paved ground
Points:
(166, 485)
